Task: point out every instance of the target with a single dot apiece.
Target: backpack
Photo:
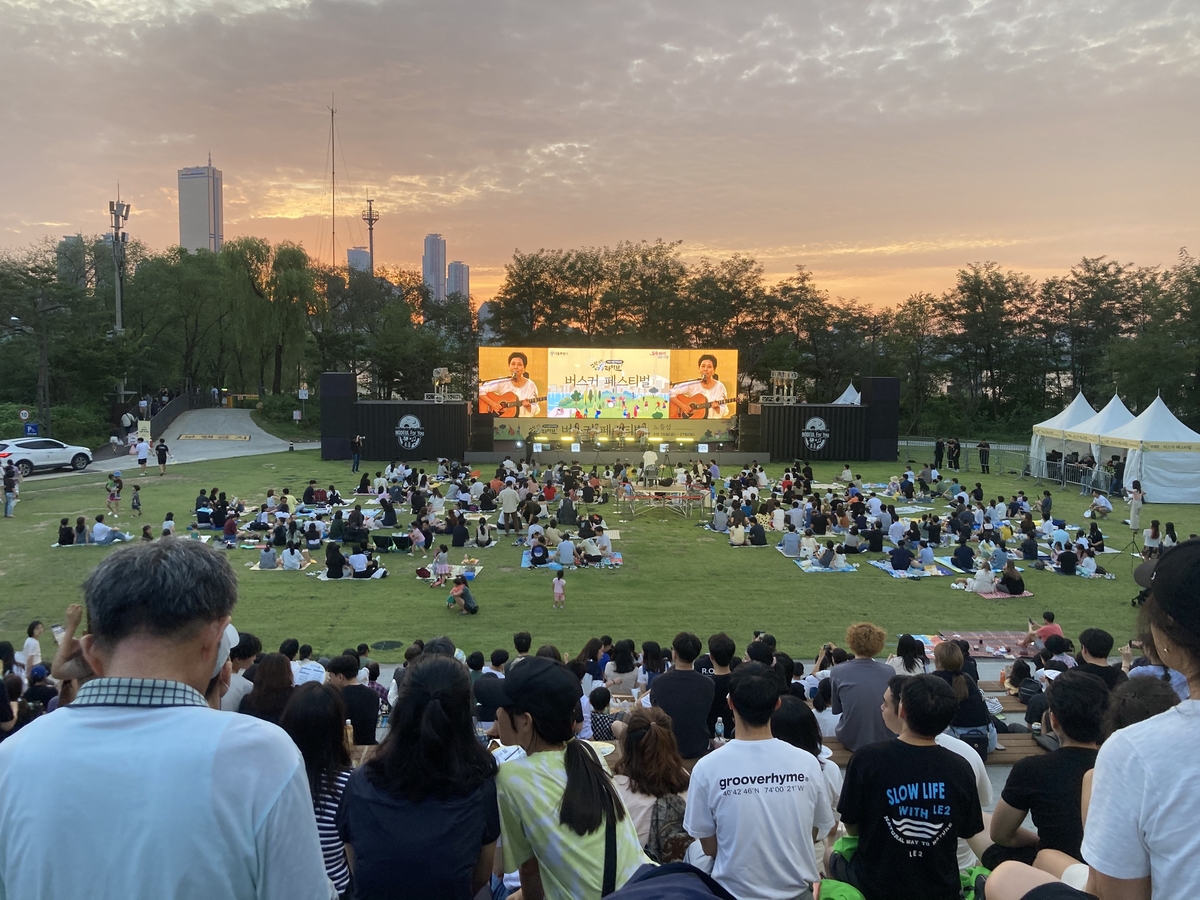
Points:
(667, 841)
(1027, 689)
(672, 881)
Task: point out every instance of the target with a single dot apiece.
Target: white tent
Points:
(1049, 434)
(1163, 454)
(850, 397)
(1091, 431)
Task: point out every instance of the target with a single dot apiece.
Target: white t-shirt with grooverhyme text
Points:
(762, 800)
(1146, 803)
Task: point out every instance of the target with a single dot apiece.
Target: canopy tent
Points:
(1049, 434)
(1091, 431)
(1162, 453)
(850, 397)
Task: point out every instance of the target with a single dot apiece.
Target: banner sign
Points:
(587, 383)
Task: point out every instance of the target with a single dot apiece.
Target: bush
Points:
(88, 426)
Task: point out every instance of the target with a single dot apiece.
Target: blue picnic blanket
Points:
(807, 565)
(928, 572)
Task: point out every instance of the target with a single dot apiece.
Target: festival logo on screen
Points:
(409, 432)
(815, 433)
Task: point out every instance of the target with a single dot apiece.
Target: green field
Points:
(676, 576)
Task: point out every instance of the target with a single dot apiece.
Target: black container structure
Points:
(392, 429)
(843, 432)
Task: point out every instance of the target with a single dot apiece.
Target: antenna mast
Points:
(370, 217)
(333, 185)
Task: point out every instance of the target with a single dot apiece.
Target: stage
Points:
(585, 456)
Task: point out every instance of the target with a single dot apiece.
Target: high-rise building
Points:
(458, 279)
(359, 258)
(433, 266)
(201, 216)
(71, 259)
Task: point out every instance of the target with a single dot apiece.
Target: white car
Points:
(43, 453)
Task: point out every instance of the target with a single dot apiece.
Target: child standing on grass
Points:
(560, 591)
(113, 487)
(135, 502)
(441, 566)
(418, 540)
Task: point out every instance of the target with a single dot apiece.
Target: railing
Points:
(1003, 458)
(162, 420)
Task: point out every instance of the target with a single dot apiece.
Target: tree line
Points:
(988, 356)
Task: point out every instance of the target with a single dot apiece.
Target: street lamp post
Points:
(119, 211)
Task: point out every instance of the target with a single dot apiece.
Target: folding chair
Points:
(383, 542)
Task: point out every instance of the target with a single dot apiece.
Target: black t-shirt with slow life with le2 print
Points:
(911, 804)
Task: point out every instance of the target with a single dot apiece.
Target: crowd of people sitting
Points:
(539, 773)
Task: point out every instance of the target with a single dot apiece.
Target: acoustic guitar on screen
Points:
(692, 406)
(504, 406)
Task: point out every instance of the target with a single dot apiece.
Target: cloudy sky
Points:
(881, 144)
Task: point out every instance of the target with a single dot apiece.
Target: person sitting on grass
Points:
(602, 723)
(102, 534)
(790, 543)
(809, 545)
(964, 557)
(827, 556)
(982, 582)
(756, 534)
(588, 553)
(483, 533)
(737, 535)
(902, 558)
(539, 554)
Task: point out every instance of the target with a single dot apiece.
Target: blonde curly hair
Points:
(865, 639)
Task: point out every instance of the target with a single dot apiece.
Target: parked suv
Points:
(43, 453)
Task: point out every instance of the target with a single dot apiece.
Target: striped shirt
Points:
(325, 805)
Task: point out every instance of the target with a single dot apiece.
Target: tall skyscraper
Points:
(458, 279)
(433, 266)
(201, 214)
(359, 258)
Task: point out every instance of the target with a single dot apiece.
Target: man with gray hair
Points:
(171, 798)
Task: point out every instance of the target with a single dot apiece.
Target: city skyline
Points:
(883, 149)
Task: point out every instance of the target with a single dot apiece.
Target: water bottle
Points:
(720, 730)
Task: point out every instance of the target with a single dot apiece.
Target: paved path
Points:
(219, 421)
(197, 421)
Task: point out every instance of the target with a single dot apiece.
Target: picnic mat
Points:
(807, 565)
(986, 644)
(1000, 595)
(780, 549)
(708, 527)
(324, 576)
(613, 562)
(933, 571)
(280, 568)
(748, 544)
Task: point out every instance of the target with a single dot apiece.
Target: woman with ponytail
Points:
(564, 826)
(420, 818)
(650, 766)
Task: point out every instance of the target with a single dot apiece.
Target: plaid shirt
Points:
(148, 692)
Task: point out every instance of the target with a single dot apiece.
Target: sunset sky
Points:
(880, 144)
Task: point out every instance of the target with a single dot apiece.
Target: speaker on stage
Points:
(881, 396)
(338, 395)
(750, 436)
(482, 434)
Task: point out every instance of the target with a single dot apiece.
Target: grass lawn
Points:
(676, 576)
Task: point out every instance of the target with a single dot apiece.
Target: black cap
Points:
(1174, 580)
(542, 687)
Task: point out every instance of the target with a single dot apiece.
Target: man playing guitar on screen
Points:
(525, 398)
(700, 398)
